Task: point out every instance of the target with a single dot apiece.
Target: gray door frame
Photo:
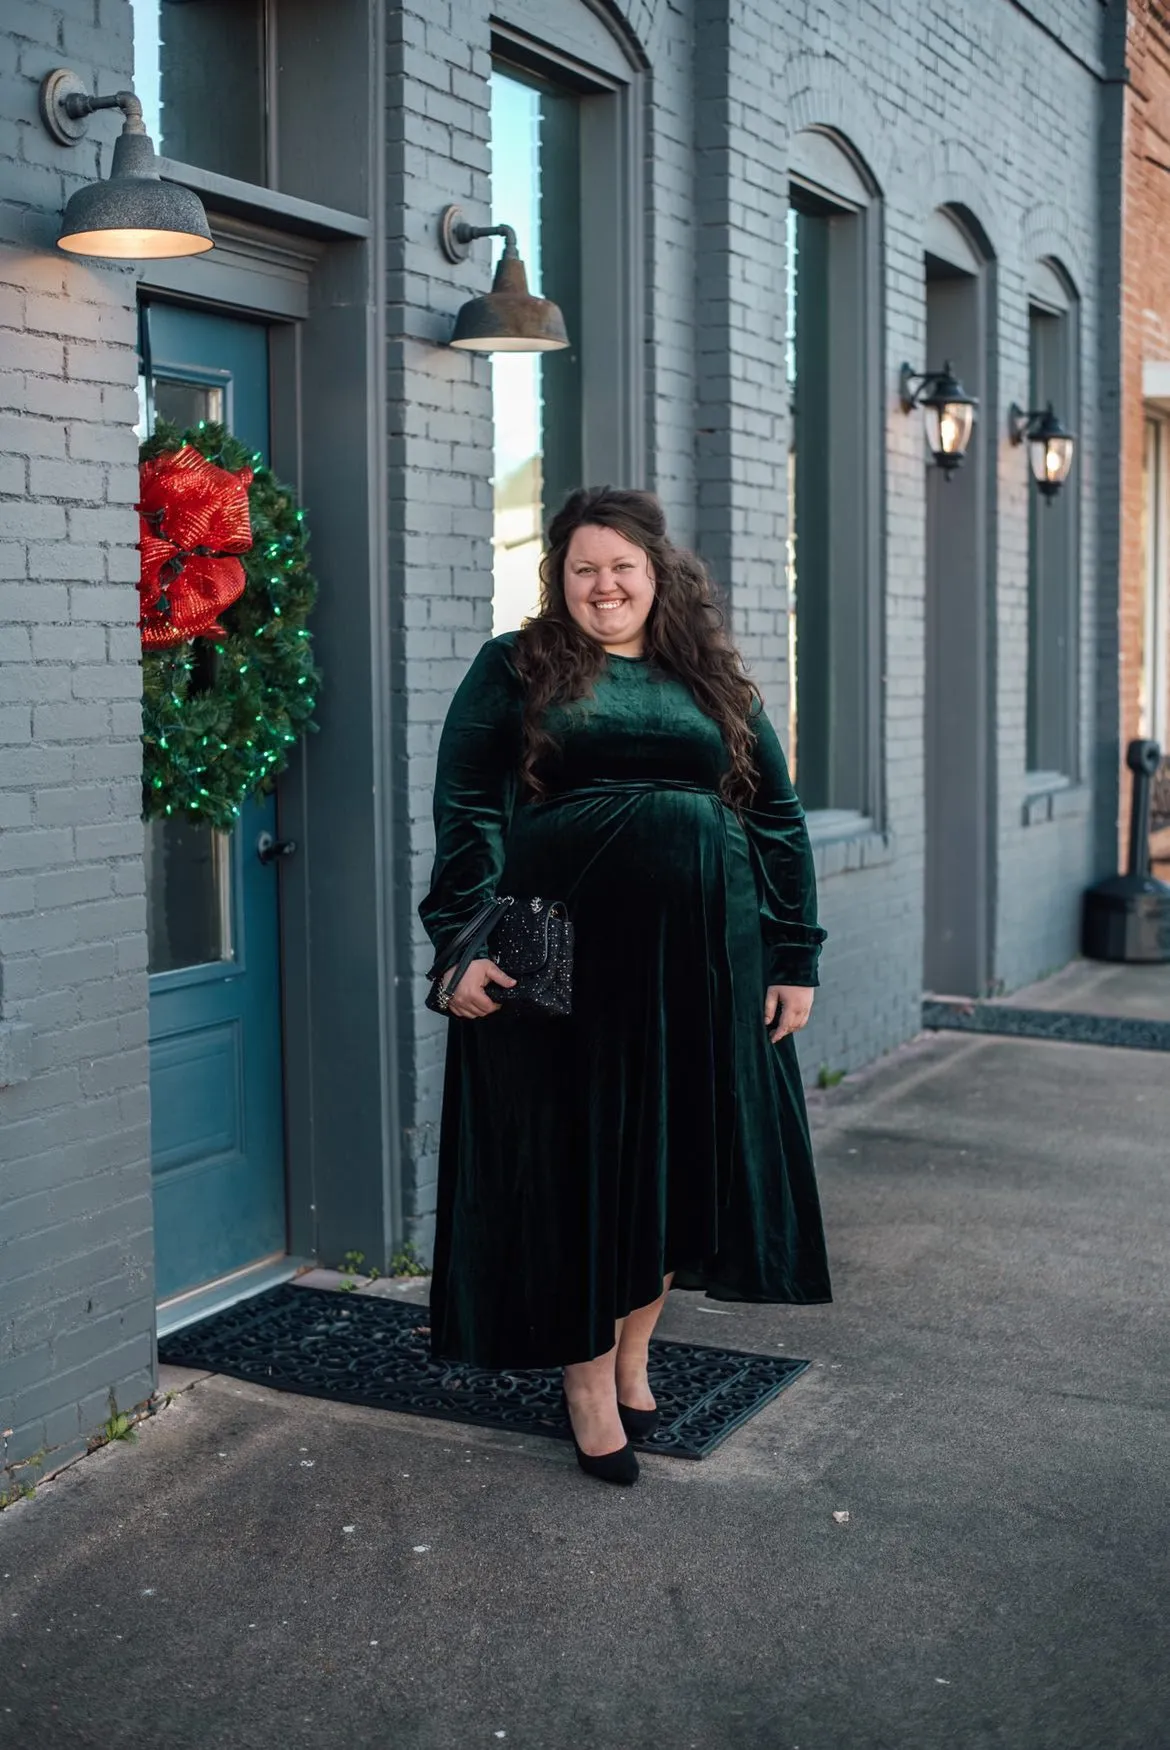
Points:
(315, 280)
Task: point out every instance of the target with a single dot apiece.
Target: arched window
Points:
(834, 476)
(1053, 545)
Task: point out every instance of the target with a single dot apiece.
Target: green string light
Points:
(197, 761)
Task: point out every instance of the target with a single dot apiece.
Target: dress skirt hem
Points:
(687, 1279)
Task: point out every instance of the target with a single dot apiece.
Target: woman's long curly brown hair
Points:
(684, 635)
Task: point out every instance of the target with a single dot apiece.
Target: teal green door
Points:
(217, 1129)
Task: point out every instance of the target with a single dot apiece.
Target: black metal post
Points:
(1127, 917)
(1143, 759)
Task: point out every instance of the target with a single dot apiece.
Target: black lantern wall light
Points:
(508, 318)
(1050, 447)
(948, 412)
(134, 215)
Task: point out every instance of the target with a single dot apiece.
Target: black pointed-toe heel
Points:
(638, 1424)
(608, 1467)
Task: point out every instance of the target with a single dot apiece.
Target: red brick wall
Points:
(1145, 317)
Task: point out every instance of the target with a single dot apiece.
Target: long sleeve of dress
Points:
(783, 862)
(475, 792)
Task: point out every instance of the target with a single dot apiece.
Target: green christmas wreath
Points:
(221, 711)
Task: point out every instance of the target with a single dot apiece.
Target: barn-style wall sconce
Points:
(948, 412)
(134, 215)
(1050, 447)
(508, 318)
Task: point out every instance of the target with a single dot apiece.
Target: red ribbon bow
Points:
(193, 516)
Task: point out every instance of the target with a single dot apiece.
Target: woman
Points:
(613, 754)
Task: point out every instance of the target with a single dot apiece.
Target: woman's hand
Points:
(794, 1002)
(469, 999)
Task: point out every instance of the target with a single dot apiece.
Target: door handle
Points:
(269, 849)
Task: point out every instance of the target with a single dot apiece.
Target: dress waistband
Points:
(628, 787)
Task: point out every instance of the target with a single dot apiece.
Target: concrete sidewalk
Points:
(1097, 987)
(989, 1403)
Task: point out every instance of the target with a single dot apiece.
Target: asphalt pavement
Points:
(949, 1534)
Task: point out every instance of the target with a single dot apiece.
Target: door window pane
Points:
(188, 895)
(199, 70)
(185, 404)
(181, 403)
(536, 397)
(188, 883)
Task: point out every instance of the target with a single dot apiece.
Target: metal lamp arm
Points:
(456, 236)
(911, 385)
(66, 106)
(1021, 420)
(78, 104)
(465, 233)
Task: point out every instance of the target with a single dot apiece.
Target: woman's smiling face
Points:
(609, 587)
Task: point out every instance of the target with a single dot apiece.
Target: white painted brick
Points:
(67, 480)
(101, 364)
(53, 560)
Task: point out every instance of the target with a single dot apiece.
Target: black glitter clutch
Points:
(529, 939)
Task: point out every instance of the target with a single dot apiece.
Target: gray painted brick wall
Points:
(76, 1280)
(911, 87)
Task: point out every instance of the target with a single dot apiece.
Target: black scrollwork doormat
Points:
(364, 1349)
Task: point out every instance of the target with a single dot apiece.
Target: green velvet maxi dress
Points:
(657, 1128)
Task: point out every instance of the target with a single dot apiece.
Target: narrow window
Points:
(1154, 619)
(833, 479)
(1053, 547)
(201, 72)
(536, 397)
(568, 173)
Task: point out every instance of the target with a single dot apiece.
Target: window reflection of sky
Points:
(791, 236)
(146, 64)
(790, 239)
(199, 75)
(516, 202)
(516, 377)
